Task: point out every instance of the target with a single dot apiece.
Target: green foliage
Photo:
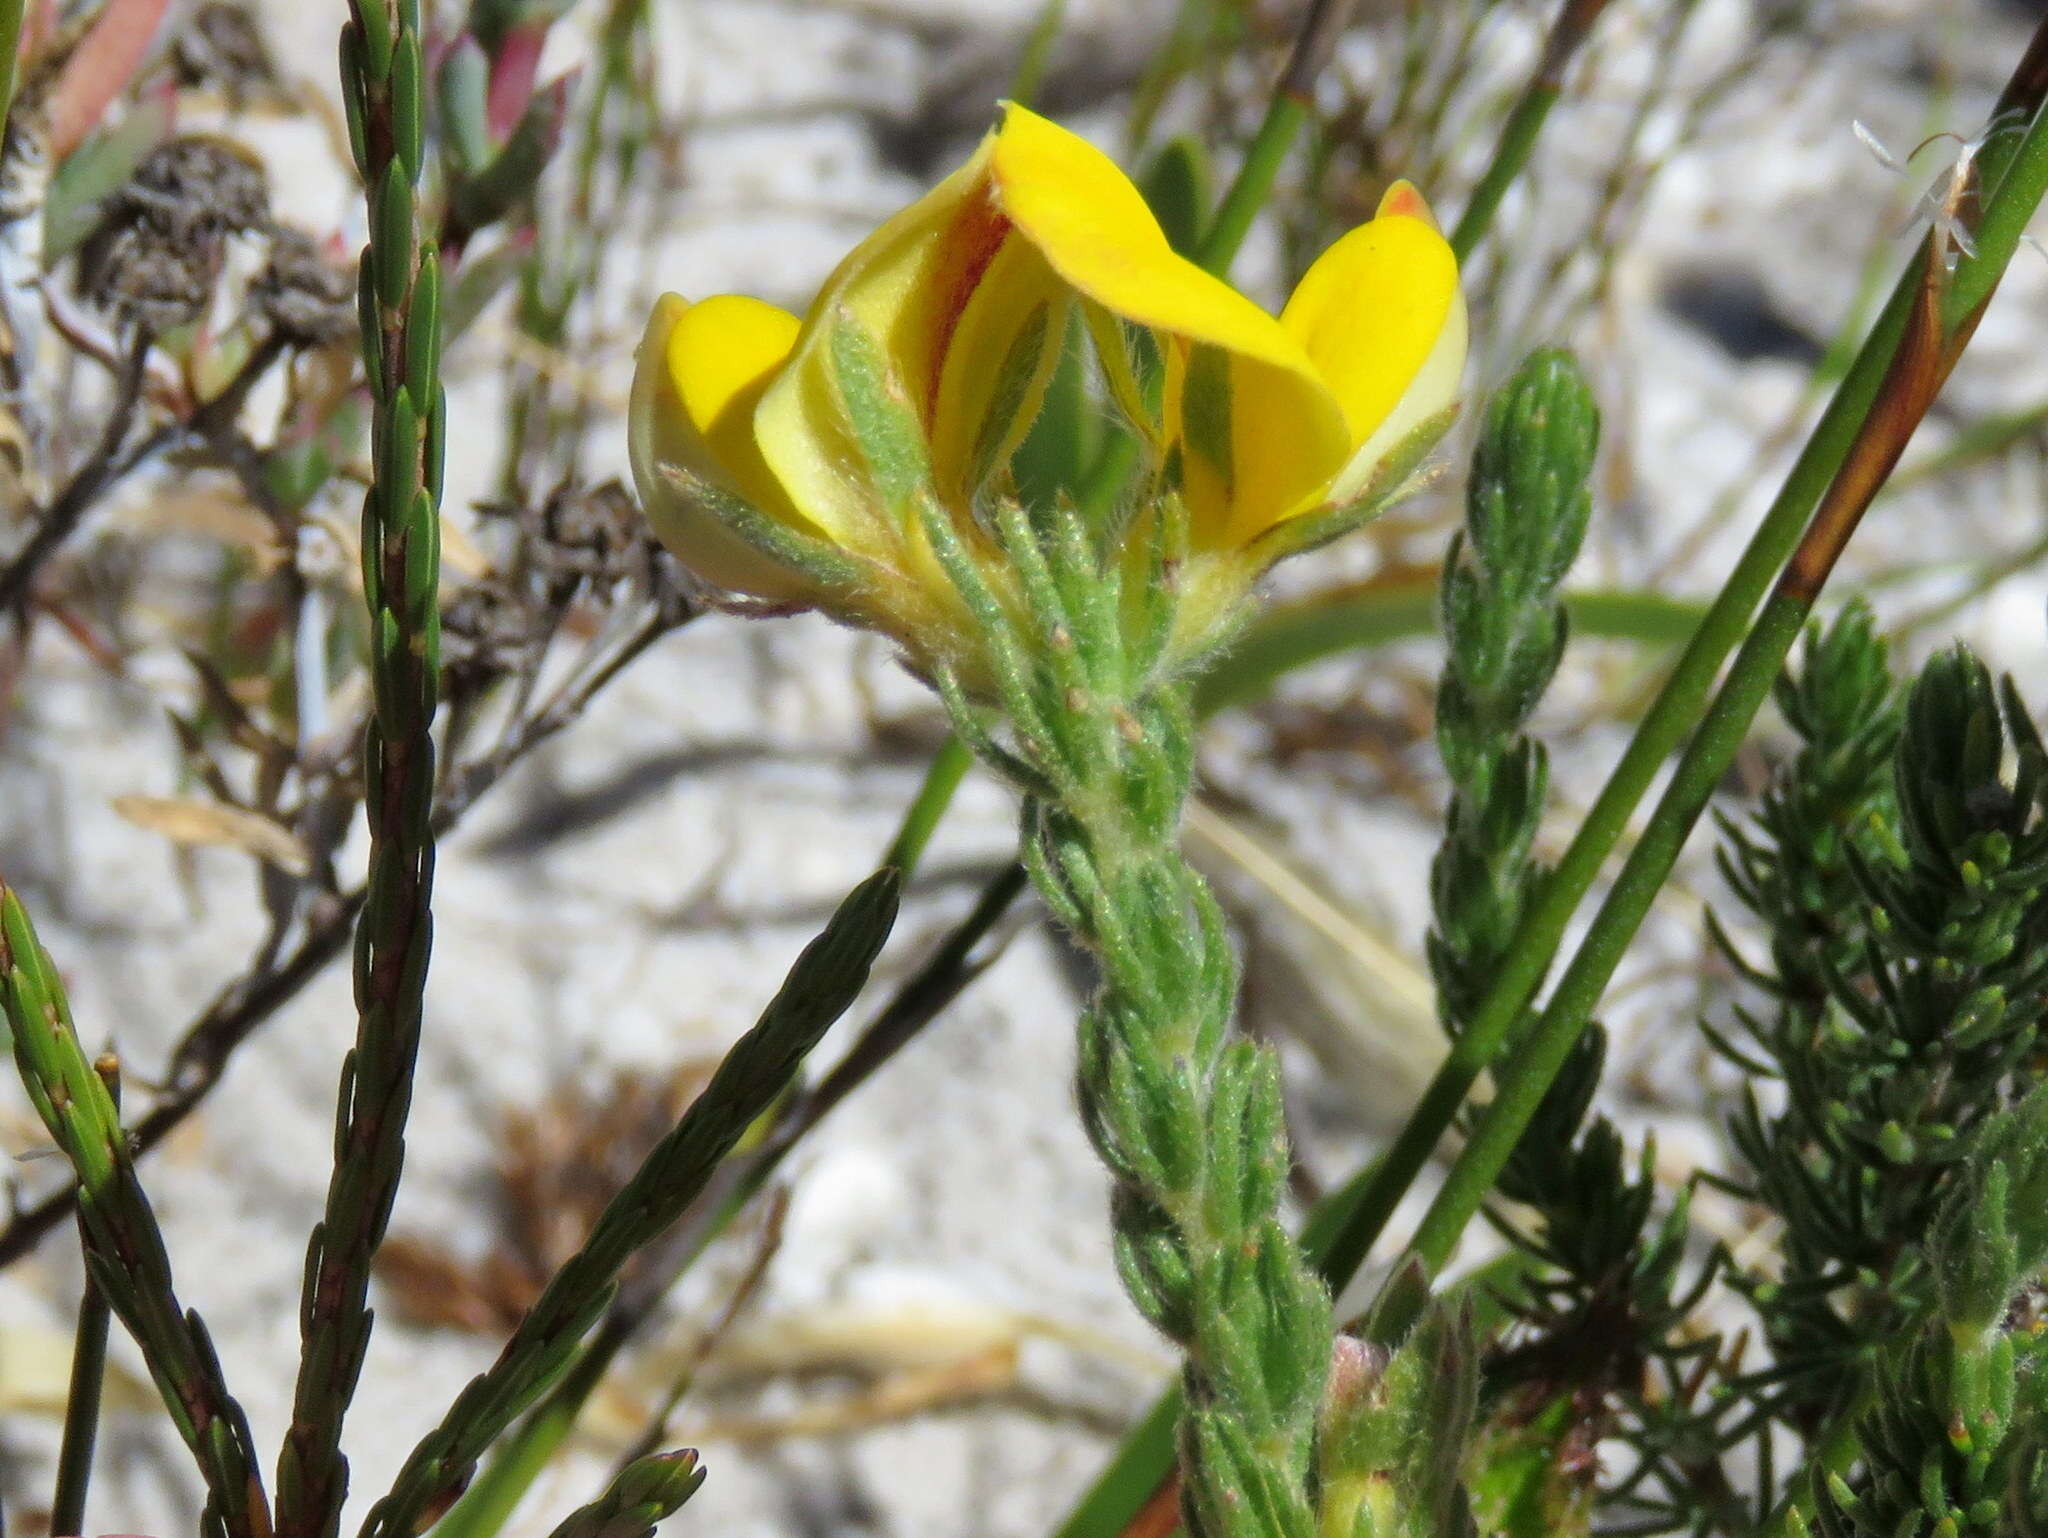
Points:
(1526, 510)
(1504, 626)
(1601, 1303)
(820, 987)
(1793, 871)
(123, 1248)
(1955, 1439)
(645, 1491)
(1908, 907)
(1527, 507)
(399, 297)
(1897, 869)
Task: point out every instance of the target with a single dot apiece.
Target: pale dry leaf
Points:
(886, 1337)
(208, 824)
(219, 513)
(896, 1397)
(923, 1341)
(35, 1374)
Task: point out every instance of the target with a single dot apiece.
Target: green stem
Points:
(81, 1410)
(88, 1377)
(752, 1077)
(383, 77)
(513, 1467)
(948, 767)
(124, 1247)
(1523, 1083)
(1262, 157)
(1524, 125)
(1671, 717)
(1037, 55)
(498, 1488)
(1897, 403)
(1285, 114)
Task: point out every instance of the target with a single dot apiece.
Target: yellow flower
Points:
(797, 461)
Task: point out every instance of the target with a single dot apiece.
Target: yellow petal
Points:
(1382, 316)
(700, 372)
(1261, 433)
(722, 354)
(951, 295)
(1434, 389)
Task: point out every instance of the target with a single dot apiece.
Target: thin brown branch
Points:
(239, 1010)
(108, 465)
(101, 468)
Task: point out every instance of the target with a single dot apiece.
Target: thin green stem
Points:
(1669, 720)
(1913, 374)
(383, 76)
(1537, 1060)
(88, 1376)
(81, 1410)
(948, 767)
(821, 985)
(1524, 124)
(487, 1505)
(1285, 114)
(1037, 56)
(1262, 158)
(124, 1247)
(513, 1467)
(1133, 1476)
(1198, 32)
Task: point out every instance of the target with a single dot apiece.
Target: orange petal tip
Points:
(1405, 199)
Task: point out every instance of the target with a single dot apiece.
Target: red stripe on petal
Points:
(963, 258)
